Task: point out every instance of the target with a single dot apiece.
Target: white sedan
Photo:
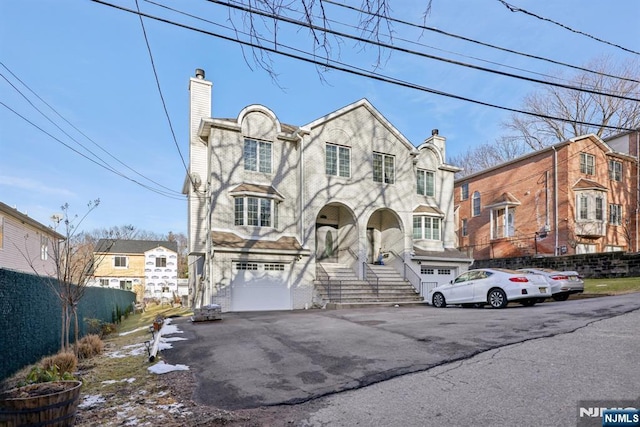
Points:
(561, 283)
(494, 286)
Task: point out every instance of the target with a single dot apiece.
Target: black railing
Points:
(371, 277)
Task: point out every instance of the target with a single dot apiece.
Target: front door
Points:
(327, 243)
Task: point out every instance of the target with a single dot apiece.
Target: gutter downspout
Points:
(300, 137)
(555, 196)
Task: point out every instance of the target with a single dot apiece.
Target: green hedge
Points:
(30, 317)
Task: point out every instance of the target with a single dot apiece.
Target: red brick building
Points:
(578, 196)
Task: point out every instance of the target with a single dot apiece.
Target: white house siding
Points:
(363, 213)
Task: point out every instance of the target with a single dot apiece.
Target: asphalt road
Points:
(248, 360)
(540, 382)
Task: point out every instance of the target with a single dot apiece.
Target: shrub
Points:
(38, 374)
(93, 325)
(89, 346)
(107, 329)
(65, 362)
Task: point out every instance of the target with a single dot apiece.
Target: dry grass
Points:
(89, 346)
(64, 362)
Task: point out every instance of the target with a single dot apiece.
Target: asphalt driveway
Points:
(249, 360)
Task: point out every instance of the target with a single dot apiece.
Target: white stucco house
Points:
(278, 213)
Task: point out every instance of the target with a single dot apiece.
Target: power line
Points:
(164, 105)
(86, 157)
(513, 8)
(412, 52)
(75, 128)
(438, 31)
(356, 71)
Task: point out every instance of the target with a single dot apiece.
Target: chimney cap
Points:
(434, 132)
(200, 73)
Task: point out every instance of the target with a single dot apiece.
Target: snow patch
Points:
(91, 400)
(163, 368)
(142, 328)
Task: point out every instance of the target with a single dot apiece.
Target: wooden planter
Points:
(51, 404)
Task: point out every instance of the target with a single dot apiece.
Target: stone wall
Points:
(593, 266)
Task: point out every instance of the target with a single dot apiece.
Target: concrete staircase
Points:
(341, 288)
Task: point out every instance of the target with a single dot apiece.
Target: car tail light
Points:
(518, 279)
(560, 277)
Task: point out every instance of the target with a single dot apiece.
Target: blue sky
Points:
(91, 64)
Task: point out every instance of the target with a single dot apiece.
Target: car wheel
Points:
(529, 302)
(497, 298)
(561, 297)
(438, 300)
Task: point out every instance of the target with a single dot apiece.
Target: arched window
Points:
(476, 203)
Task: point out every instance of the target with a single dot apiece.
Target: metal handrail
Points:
(368, 271)
(408, 274)
(323, 277)
(413, 278)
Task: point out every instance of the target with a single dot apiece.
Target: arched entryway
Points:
(384, 233)
(336, 233)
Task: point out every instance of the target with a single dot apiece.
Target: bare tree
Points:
(264, 20)
(73, 262)
(487, 155)
(577, 106)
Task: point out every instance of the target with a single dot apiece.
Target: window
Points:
(615, 170)
(426, 227)
(464, 191)
(599, 208)
(127, 285)
(476, 203)
(44, 247)
(446, 271)
(104, 283)
(424, 269)
(120, 261)
(161, 261)
(465, 230)
(587, 164)
(257, 156)
(426, 183)
(583, 207)
(274, 267)
(255, 211)
(615, 214)
(384, 169)
(246, 266)
(338, 161)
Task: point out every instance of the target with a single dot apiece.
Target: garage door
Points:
(433, 276)
(258, 286)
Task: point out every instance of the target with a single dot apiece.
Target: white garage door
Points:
(258, 286)
(433, 276)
